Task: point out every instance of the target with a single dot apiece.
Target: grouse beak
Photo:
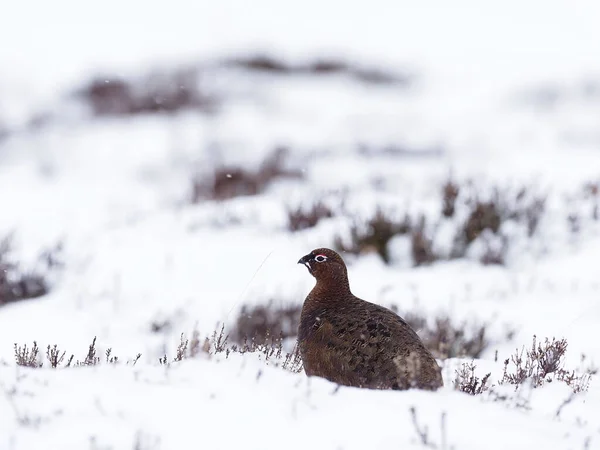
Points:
(306, 261)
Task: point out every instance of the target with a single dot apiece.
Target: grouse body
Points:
(353, 342)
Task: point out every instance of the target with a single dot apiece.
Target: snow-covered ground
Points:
(504, 95)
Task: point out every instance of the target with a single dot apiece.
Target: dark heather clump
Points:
(229, 182)
(157, 92)
(302, 218)
(18, 284)
(264, 323)
(376, 235)
(356, 343)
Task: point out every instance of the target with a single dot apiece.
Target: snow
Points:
(500, 94)
(223, 405)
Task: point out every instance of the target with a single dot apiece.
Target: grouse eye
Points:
(320, 258)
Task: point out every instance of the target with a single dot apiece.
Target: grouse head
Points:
(326, 266)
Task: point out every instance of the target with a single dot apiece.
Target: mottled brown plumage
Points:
(356, 343)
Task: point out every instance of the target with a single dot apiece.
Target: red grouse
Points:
(356, 343)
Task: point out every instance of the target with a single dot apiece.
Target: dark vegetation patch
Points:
(303, 217)
(446, 338)
(540, 364)
(374, 235)
(18, 283)
(584, 208)
(263, 322)
(160, 91)
(523, 206)
(228, 182)
(421, 244)
(319, 67)
(485, 218)
(450, 191)
(479, 220)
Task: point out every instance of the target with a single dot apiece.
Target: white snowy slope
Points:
(504, 95)
(230, 404)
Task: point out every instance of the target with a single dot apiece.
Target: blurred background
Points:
(164, 165)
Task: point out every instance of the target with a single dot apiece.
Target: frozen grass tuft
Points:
(543, 363)
(31, 357)
(536, 366)
(28, 357)
(466, 381)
